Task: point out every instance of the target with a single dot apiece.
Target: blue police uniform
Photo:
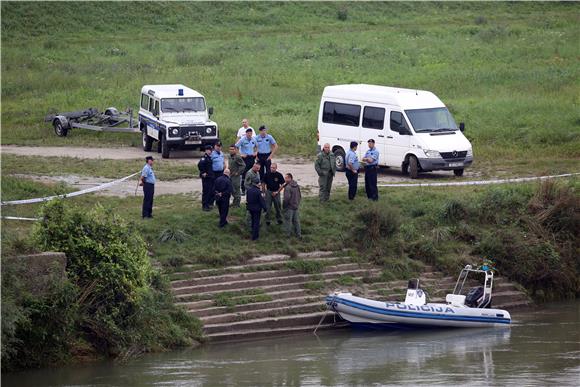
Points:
(217, 163)
(246, 146)
(264, 144)
(371, 174)
(352, 177)
(148, 191)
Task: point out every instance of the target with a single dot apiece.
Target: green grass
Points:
(509, 70)
(62, 166)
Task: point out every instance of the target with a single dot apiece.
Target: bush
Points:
(453, 210)
(342, 14)
(556, 209)
(377, 223)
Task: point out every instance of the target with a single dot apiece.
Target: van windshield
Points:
(431, 120)
(194, 104)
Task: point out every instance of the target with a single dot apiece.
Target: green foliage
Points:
(173, 234)
(453, 210)
(376, 223)
(305, 266)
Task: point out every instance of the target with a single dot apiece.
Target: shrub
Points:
(342, 14)
(453, 210)
(556, 209)
(376, 224)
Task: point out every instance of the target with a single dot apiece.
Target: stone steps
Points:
(276, 295)
(276, 303)
(263, 333)
(312, 307)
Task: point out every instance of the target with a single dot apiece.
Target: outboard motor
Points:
(475, 298)
(415, 295)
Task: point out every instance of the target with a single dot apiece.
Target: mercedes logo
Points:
(454, 153)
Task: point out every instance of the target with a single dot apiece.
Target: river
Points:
(542, 347)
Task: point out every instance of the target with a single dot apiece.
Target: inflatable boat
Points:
(472, 310)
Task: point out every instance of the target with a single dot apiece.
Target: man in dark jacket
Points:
(292, 198)
(223, 191)
(207, 179)
(255, 204)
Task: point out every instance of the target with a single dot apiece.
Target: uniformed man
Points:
(325, 166)
(292, 198)
(245, 126)
(236, 166)
(248, 151)
(267, 147)
(255, 204)
(218, 161)
(274, 185)
(207, 179)
(371, 168)
(148, 183)
(352, 166)
(252, 174)
(223, 191)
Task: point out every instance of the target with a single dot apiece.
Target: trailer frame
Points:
(111, 120)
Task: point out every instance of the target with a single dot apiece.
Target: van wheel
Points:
(147, 142)
(339, 160)
(413, 167)
(405, 168)
(164, 147)
(60, 130)
(458, 172)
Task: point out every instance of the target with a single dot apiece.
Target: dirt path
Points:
(301, 168)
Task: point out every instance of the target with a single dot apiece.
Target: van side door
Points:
(373, 126)
(398, 138)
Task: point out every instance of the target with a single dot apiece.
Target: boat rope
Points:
(68, 195)
(328, 307)
(479, 182)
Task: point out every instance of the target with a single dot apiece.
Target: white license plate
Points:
(456, 164)
(192, 142)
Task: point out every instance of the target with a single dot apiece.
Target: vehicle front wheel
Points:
(164, 147)
(147, 142)
(413, 167)
(339, 160)
(59, 129)
(458, 172)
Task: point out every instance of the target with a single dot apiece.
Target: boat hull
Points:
(376, 314)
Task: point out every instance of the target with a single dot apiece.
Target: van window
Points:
(398, 123)
(341, 114)
(151, 104)
(374, 118)
(144, 101)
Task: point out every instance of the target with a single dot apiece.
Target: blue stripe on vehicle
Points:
(150, 122)
(418, 315)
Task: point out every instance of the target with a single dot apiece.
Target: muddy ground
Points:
(301, 168)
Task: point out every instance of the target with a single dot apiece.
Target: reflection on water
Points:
(542, 347)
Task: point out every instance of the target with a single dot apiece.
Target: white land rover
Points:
(175, 116)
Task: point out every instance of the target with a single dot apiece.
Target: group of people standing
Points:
(325, 166)
(248, 170)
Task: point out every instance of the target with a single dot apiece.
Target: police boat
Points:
(472, 310)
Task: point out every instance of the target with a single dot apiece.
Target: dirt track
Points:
(302, 169)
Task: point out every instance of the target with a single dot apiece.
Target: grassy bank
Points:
(508, 70)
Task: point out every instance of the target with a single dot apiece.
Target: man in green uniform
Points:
(252, 174)
(237, 167)
(325, 166)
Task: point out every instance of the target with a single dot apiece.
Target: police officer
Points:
(237, 166)
(274, 185)
(267, 147)
(325, 166)
(218, 162)
(207, 179)
(223, 191)
(371, 168)
(148, 183)
(252, 175)
(255, 204)
(352, 166)
(248, 151)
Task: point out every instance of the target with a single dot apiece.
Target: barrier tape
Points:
(69, 195)
(479, 182)
(19, 218)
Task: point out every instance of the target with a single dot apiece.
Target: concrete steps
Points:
(266, 297)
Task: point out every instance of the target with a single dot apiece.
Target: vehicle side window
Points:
(341, 114)
(398, 123)
(144, 101)
(151, 104)
(156, 108)
(374, 118)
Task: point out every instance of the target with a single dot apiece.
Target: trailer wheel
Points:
(59, 129)
(458, 172)
(164, 147)
(413, 167)
(147, 141)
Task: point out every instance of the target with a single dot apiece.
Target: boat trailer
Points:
(111, 120)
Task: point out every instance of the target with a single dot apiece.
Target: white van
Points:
(412, 129)
(175, 116)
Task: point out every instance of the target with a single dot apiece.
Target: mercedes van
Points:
(176, 117)
(412, 129)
